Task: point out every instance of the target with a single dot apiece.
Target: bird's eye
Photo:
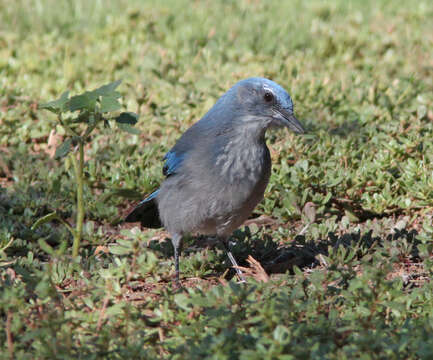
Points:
(269, 97)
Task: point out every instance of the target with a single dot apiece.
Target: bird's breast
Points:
(240, 162)
(243, 175)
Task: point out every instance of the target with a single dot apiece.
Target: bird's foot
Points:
(176, 284)
(239, 273)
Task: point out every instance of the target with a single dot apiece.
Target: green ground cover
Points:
(354, 283)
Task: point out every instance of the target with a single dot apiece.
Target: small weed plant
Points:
(79, 115)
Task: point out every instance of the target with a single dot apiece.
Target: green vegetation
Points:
(92, 108)
(345, 231)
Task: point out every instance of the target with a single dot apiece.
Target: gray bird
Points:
(218, 170)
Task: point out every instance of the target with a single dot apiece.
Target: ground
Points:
(341, 247)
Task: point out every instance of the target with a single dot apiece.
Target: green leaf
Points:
(427, 227)
(128, 128)
(351, 215)
(126, 193)
(62, 248)
(47, 248)
(421, 111)
(335, 181)
(56, 106)
(108, 89)
(120, 250)
(83, 101)
(327, 198)
(109, 103)
(115, 310)
(183, 301)
(280, 333)
(44, 219)
(127, 118)
(63, 149)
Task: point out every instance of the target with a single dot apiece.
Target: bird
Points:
(218, 170)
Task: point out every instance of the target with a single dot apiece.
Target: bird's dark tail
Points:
(146, 212)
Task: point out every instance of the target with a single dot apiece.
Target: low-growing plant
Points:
(79, 115)
(356, 283)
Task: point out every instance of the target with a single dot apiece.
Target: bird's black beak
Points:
(286, 118)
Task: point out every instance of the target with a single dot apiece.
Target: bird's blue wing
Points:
(149, 198)
(146, 210)
(172, 162)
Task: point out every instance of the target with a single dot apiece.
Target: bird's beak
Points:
(286, 118)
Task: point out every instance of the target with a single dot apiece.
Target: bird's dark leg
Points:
(176, 240)
(232, 259)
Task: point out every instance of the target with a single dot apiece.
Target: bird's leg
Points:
(232, 259)
(176, 240)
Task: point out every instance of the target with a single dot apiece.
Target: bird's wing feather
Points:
(213, 128)
(173, 160)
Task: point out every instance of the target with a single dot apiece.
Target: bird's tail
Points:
(146, 212)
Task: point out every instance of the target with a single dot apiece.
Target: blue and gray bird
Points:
(218, 170)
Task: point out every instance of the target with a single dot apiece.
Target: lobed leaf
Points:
(109, 103)
(128, 128)
(108, 89)
(56, 106)
(63, 149)
(85, 101)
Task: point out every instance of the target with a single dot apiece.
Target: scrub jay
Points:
(218, 170)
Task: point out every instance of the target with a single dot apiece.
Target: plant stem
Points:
(78, 168)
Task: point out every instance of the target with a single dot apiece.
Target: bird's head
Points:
(266, 103)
